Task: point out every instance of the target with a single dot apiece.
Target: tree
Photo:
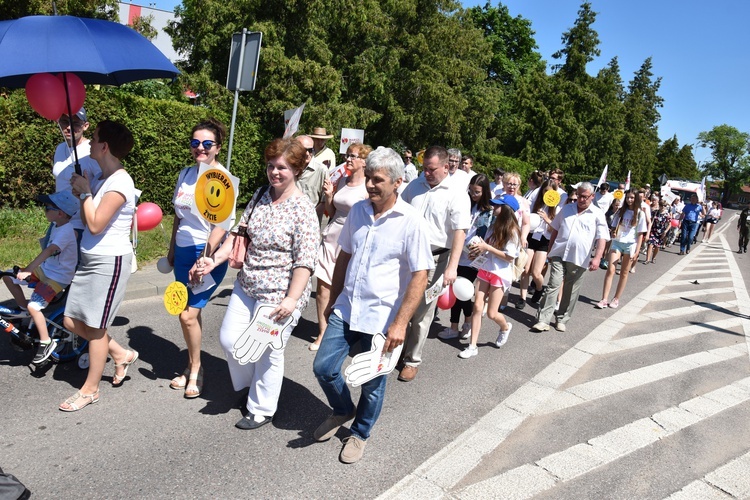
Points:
(676, 162)
(730, 153)
(98, 9)
(144, 26)
(581, 45)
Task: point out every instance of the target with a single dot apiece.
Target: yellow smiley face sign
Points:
(618, 194)
(175, 298)
(551, 198)
(214, 195)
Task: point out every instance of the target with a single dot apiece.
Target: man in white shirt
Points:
(458, 176)
(410, 170)
(467, 165)
(496, 187)
(604, 198)
(447, 210)
(379, 280)
(313, 177)
(575, 229)
(323, 154)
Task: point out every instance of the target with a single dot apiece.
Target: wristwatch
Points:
(83, 196)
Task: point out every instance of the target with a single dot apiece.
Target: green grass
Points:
(20, 230)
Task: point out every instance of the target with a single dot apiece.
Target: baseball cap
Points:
(506, 199)
(64, 200)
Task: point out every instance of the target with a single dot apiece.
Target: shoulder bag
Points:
(241, 239)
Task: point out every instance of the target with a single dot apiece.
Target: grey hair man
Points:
(459, 177)
(575, 230)
(314, 177)
(379, 280)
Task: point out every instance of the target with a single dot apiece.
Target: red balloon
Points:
(447, 299)
(149, 216)
(675, 223)
(46, 95)
(76, 91)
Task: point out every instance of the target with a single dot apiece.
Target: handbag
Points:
(241, 238)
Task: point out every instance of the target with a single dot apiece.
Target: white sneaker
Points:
(465, 331)
(502, 337)
(470, 351)
(448, 333)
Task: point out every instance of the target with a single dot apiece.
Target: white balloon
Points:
(163, 266)
(463, 289)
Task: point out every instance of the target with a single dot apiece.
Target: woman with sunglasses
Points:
(191, 237)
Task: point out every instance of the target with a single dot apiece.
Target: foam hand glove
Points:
(262, 333)
(366, 366)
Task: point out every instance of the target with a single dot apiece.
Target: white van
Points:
(684, 189)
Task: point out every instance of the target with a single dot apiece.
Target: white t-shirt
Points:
(62, 267)
(501, 267)
(460, 179)
(627, 232)
(193, 229)
(496, 189)
(115, 239)
(63, 167)
(577, 232)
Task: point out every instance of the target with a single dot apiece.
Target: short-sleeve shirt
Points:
(311, 181)
(62, 266)
(385, 252)
(283, 236)
(691, 212)
(115, 239)
(628, 229)
(501, 267)
(63, 166)
(445, 208)
(577, 232)
(193, 229)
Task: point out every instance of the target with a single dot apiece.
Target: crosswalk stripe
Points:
(582, 458)
(648, 339)
(684, 311)
(731, 478)
(693, 272)
(693, 293)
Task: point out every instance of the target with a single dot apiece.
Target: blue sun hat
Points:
(506, 199)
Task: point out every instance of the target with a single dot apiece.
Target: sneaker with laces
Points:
(502, 337)
(560, 327)
(448, 333)
(465, 331)
(353, 450)
(328, 428)
(602, 304)
(614, 304)
(43, 352)
(469, 352)
(540, 327)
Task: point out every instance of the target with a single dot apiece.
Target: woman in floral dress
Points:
(659, 228)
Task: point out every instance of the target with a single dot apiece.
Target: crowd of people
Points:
(381, 240)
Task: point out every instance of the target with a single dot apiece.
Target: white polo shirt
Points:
(576, 233)
(385, 252)
(446, 208)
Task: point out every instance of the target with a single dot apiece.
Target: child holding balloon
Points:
(494, 259)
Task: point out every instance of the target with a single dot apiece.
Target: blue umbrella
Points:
(97, 51)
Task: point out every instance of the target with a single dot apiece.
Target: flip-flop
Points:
(175, 382)
(118, 380)
(195, 388)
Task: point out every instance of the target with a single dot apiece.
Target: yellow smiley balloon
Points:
(618, 194)
(214, 195)
(551, 198)
(175, 298)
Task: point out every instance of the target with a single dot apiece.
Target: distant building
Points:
(129, 11)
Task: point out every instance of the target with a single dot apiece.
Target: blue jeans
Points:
(688, 233)
(337, 341)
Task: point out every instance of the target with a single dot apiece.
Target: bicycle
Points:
(24, 337)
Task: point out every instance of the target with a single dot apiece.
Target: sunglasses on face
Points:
(194, 143)
(310, 150)
(47, 208)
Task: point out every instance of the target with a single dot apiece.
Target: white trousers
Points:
(264, 377)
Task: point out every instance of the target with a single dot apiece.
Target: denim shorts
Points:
(623, 248)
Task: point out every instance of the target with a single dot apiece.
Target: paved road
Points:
(647, 401)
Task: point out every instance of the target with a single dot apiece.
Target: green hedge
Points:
(161, 129)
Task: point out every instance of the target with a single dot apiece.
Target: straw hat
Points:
(320, 133)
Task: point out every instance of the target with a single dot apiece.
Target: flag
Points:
(702, 192)
(627, 182)
(603, 178)
(293, 123)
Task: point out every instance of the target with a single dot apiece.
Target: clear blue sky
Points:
(698, 48)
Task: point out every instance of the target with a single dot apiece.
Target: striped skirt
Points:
(98, 288)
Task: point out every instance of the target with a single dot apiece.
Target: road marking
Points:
(731, 480)
(693, 293)
(582, 458)
(683, 311)
(440, 473)
(694, 272)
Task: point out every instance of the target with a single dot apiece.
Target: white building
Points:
(129, 11)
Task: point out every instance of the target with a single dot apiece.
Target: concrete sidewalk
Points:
(146, 282)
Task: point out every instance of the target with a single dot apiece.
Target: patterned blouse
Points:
(282, 237)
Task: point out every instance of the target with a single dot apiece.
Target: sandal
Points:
(73, 401)
(117, 380)
(193, 390)
(180, 381)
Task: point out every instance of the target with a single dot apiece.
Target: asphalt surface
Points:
(477, 428)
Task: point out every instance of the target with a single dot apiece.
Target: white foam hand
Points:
(262, 333)
(366, 366)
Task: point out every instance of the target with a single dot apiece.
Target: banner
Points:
(350, 136)
(627, 182)
(291, 120)
(603, 178)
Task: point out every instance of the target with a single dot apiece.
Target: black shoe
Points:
(248, 422)
(537, 296)
(520, 304)
(43, 352)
